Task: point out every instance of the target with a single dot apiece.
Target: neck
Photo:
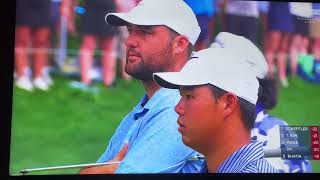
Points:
(225, 143)
(150, 87)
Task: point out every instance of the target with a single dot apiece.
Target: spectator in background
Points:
(300, 38)
(32, 35)
(242, 18)
(309, 66)
(94, 31)
(123, 6)
(280, 25)
(62, 15)
(205, 11)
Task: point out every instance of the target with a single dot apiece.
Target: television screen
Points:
(76, 99)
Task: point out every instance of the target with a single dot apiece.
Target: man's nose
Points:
(179, 108)
(131, 41)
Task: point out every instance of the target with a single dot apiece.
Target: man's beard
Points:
(158, 62)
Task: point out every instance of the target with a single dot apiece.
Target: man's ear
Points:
(228, 102)
(180, 44)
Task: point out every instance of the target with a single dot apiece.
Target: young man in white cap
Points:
(217, 110)
(266, 127)
(161, 38)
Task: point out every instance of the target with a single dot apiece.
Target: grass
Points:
(65, 125)
(299, 104)
(68, 126)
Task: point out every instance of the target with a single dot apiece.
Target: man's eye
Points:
(188, 96)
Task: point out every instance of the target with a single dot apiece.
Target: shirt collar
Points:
(162, 97)
(243, 156)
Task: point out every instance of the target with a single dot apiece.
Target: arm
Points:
(107, 169)
(111, 154)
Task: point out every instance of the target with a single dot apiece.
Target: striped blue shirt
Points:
(155, 145)
(247, 159)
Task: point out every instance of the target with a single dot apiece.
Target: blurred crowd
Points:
(287, 32)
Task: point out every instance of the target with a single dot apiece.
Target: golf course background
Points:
(70, 126)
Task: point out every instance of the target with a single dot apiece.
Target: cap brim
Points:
(117, 19)
(123, 19)
(174, 80)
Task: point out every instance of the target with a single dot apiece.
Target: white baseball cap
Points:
(215, 66)
(175, 14)
(248, 51)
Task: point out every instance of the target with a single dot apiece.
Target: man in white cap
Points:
(161, 38)
(266, 127)
(217, 110)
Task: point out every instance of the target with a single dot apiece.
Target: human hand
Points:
(119, 157)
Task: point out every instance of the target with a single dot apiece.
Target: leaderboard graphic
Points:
(300, 142)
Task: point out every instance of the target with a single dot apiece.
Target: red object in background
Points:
(315, 142)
